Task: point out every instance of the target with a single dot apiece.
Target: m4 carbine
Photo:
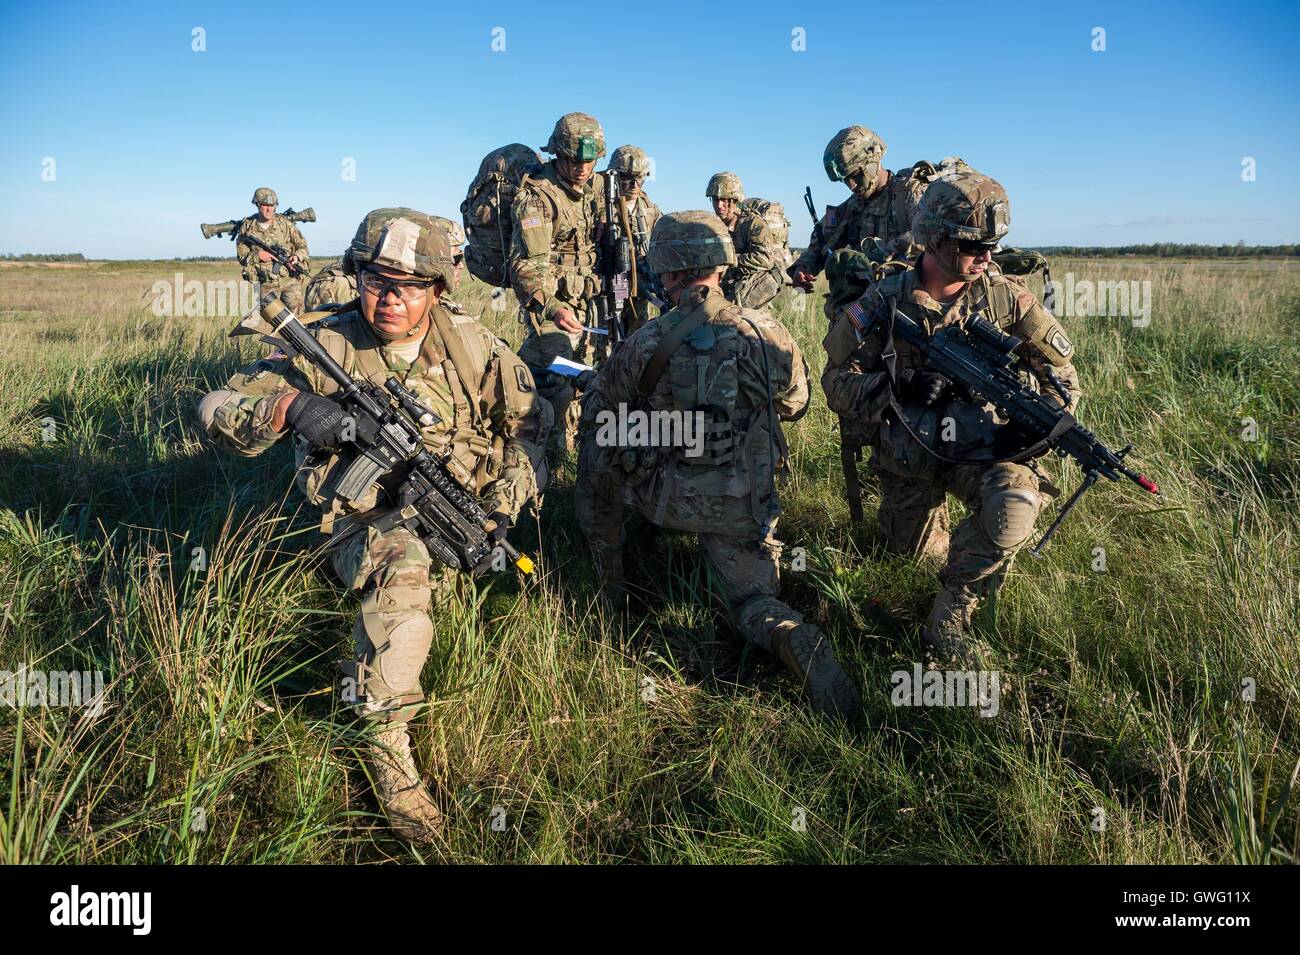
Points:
(281, 258)
(426, 498)
(978, 357)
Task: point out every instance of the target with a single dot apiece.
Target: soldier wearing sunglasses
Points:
(930, 440)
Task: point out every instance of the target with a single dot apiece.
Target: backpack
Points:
(773, 213)
(486, 211)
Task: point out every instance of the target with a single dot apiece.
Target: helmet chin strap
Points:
(417, 329)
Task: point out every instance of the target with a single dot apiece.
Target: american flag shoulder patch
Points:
(532, 222)
(857, 315)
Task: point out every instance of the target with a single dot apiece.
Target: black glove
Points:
(585, 380)
(319, 420)
(495, 537)
(922, 387)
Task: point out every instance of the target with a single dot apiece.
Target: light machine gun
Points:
(977, 357)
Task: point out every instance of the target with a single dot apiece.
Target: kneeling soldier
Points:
(491, 432)
(735, 371)
(929, 440)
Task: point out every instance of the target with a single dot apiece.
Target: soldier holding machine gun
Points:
(271, 250)
(959, 379)
(418, 434)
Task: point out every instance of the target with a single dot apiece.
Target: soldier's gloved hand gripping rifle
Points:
(386, 442)
(978, 357)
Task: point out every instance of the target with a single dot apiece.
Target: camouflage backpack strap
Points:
(467, 358)
(695, 316)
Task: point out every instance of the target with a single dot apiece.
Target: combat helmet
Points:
(454, 230)
(682, 241)
(854, 149)
(404, 240)
(265, 196)
(629, 161)
(962, 205)
(725, 185)
(577, 136)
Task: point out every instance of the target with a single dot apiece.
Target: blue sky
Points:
(1142, 142)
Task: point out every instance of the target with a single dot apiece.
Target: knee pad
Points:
(209, 405)
(1008, 517)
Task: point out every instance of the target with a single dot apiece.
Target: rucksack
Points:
(486, 211)
(773, 213)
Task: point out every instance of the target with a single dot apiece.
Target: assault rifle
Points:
(977, 357)
(387, 443)
(615, 272)
(279, 255)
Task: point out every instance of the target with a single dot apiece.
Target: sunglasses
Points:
(378, 286)
(975, 246)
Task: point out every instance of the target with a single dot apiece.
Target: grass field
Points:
(1148, 711)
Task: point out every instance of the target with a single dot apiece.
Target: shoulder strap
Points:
(672, 340)
(466, 369)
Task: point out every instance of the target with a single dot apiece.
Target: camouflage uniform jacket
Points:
(724, 369)
(757, 251)
(279, 232)
(492, 429)
(553, 245)
(856, 380)
(885, 215)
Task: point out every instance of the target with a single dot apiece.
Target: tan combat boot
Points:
(808, 653)
(410, 809)
(949, 633)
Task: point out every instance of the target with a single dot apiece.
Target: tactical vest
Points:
(702, 379)
(573, 234)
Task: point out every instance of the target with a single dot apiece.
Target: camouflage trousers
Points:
(537, 352)
(1004, 502)
(744, 563)
(393, 633)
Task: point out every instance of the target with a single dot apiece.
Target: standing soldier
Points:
(878, 212)
(746, 370)
(639, 215)
(490, 431)
(884, 385)
(755, 279)
(258, 265)
(553, 252)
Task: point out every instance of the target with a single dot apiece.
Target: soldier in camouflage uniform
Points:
(553, 252)
(964, 448)
(879, 212)
(257, 264)
(755, 279)
(639, 215)
(741, 371)
(331, 286)
(455, 233)
(492, 429)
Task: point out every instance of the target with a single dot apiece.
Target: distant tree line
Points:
(44, 257)
(1163, 250)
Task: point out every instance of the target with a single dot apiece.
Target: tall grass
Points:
(1148, 711)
